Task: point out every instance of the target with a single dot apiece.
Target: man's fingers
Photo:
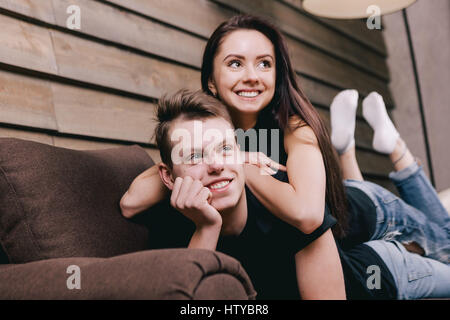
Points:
(193, 192)
(175, 191)
(205, 194)
(184, 192)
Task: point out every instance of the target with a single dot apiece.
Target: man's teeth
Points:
(219, 185)
(249, 94)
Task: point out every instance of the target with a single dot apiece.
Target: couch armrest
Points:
(154, 274)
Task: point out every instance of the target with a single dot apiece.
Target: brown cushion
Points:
(152, 274)
(57, 202)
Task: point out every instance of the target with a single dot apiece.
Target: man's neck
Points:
(235, 219)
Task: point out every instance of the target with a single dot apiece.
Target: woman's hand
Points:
(266, 165)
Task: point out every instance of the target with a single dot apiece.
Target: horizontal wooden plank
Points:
(68, 142)
(321, 94)
(159, 10)
(32, 102)
(92, 113)
(26, 45)
(310, 31)
(24, 134)
(80, 144)
(26, 101)
(305, 59)
(109, 23)
(108, 66)
(356, 29)
(334, 71)
(38, 9)
(197, 16)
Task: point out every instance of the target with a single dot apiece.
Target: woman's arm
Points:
(145, 191)
(319, 270)
(301, 202)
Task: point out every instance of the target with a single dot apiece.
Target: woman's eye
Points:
(234, 64)
(265, 64)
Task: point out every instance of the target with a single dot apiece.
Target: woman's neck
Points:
(243, 121)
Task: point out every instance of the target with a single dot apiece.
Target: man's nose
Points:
(215, 164)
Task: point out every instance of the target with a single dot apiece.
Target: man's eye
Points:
(227, 148)
(196, 156)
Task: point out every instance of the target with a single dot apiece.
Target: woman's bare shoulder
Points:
(299, 132)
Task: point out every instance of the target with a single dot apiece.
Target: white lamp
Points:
(352, 9)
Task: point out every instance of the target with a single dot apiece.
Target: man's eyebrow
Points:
(192, 150)
(224, 142)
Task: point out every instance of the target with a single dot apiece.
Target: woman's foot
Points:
(385, 135)
(343, 114)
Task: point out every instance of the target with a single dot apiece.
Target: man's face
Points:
(206, 150)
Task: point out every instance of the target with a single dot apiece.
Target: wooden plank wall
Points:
(97, 87)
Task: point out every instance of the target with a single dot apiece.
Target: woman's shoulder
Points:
(299, 131)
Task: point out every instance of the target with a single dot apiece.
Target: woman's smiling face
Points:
(244, 72)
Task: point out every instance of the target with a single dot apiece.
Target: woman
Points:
(246, 65)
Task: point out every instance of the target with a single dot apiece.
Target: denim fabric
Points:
(416, 277)
(418, 217)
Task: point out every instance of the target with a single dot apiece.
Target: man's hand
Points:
(192, 199)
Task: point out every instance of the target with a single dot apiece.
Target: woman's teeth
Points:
(249, 94)
(219, 185)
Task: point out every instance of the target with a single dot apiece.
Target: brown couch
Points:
(60, 207)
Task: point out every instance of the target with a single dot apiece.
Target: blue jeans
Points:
(420, 217)
(415, 277)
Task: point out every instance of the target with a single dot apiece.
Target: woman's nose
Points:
(251, 75)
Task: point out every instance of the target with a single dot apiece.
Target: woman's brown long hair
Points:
(288, 100)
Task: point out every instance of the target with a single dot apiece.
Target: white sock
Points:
(343, 114)
(385, 135)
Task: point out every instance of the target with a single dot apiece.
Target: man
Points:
(201, 166)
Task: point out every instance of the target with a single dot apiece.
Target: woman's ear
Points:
(212, 87)
(166, 175)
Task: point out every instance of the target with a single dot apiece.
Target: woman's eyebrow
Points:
(264, 56)
(243, 58)
(235, 56)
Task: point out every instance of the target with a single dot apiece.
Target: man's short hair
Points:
(187, 105)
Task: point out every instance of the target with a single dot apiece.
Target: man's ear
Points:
(166, 175)
(212, 87)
